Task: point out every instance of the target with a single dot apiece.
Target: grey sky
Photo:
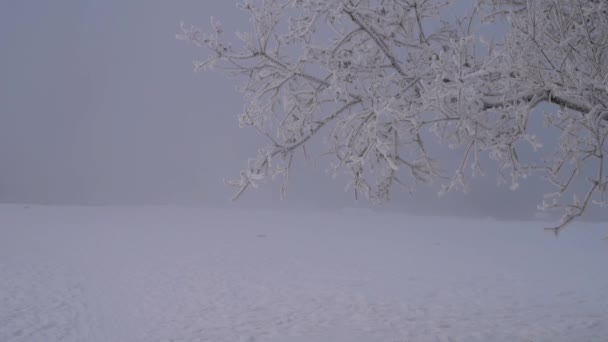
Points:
(99, 105)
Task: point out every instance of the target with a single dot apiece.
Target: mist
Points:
(100, 105)
(116, 223)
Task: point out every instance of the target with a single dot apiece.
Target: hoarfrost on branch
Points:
(376, 79)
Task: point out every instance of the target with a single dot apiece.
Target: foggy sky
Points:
(99, 105)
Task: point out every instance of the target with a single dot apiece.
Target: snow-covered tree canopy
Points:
(377, 79)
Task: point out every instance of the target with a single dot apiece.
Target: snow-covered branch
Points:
(383, 74)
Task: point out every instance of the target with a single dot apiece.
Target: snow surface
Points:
(189, 274)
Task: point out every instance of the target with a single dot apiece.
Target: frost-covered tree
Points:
(378, 79)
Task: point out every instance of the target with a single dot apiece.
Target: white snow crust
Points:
(191, 274)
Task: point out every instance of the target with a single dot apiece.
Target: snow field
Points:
(190, 274)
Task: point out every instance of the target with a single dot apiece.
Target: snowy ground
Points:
(177, 274)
